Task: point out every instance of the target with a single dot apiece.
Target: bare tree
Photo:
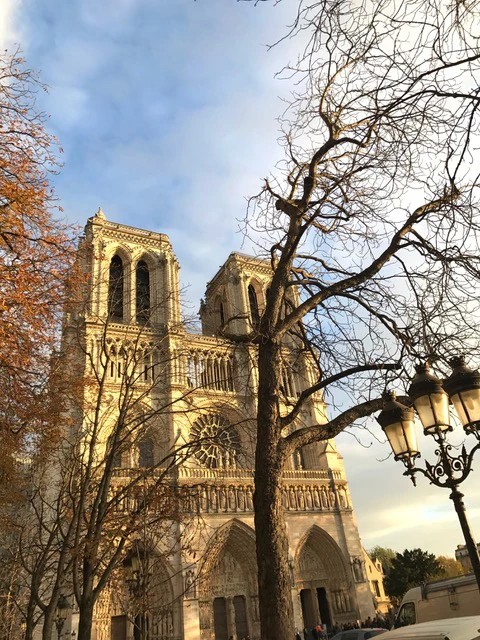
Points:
(110, 475)
(371, 225)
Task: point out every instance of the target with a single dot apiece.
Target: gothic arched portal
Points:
(146, 608)
(228, 585)
(323, 578)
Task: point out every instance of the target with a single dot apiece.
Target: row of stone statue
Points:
(340, 601)
(214, 498)
(234, 498)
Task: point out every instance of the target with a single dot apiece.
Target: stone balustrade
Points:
(239, 498)
(225, 474)
(231, 490)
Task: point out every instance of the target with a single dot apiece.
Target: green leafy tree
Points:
(385, 555)
(409, 569)
(449, 567)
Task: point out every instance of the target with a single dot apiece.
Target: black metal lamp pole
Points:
(431, 400)
(137, 581)
(61, 614)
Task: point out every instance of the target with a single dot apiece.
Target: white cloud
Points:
(10, 32)
(167, 115)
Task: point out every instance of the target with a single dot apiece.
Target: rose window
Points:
(218, 442)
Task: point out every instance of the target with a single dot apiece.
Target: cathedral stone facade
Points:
(207, 590)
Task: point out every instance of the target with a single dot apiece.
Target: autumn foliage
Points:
(36, 256)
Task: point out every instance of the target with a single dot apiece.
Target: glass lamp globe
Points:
(463, 387)
(398, 423)
(430, 401)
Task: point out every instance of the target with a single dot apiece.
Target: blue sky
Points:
(166, 113)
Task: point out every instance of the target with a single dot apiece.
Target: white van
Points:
(449, 598)
(467, 628)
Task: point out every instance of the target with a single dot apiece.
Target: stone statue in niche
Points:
(256, 613)
(308, 498)
(249, 499)
(213, 499)
(293, 500)
(300, 499)
(324, 499)
(331, 496)
(231, 499)
(297, 460)
(189, 584)
(357, 570)
(223, 499)
(241, 498)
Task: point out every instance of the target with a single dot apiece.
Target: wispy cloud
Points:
(10, 30)
(166, 111)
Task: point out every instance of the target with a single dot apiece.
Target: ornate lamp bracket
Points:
(449, 470)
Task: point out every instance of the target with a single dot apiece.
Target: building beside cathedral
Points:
(207, 591)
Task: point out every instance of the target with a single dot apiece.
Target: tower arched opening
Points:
(142, 291)
(115, 289)
(253, 303)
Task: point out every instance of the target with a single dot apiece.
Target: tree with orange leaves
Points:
(36, 256)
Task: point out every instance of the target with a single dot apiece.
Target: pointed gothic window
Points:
(222, 315)
(115, 289)
(252, 299)
(143, 292)
(145, 452)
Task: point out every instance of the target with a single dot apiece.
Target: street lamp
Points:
(61, 614)
(137, 579)
(431, 400)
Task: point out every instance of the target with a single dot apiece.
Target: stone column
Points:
(232, 630)
(191, 619)
(316, 608)
(297, 610)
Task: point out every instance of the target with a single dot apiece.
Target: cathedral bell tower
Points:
(134, 275)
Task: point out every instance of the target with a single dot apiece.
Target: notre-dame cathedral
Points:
(208, 590)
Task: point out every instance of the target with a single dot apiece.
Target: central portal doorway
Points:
(315, 607)
(323, 607)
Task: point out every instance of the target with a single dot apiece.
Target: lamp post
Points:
(61, 614)
(431, 400)
(137, 579)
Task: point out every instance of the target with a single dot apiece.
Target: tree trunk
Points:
(274, 580)
(85, 619)
(48, 623)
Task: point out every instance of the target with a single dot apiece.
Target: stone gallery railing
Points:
(231, 490)
(239, 498)
(204, 362)
(233, 473)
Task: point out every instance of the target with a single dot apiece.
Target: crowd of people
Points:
(322, 632)
(378, 622)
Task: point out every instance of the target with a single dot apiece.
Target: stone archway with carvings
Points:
(323, 580)
(228, 597)
(141, 606)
